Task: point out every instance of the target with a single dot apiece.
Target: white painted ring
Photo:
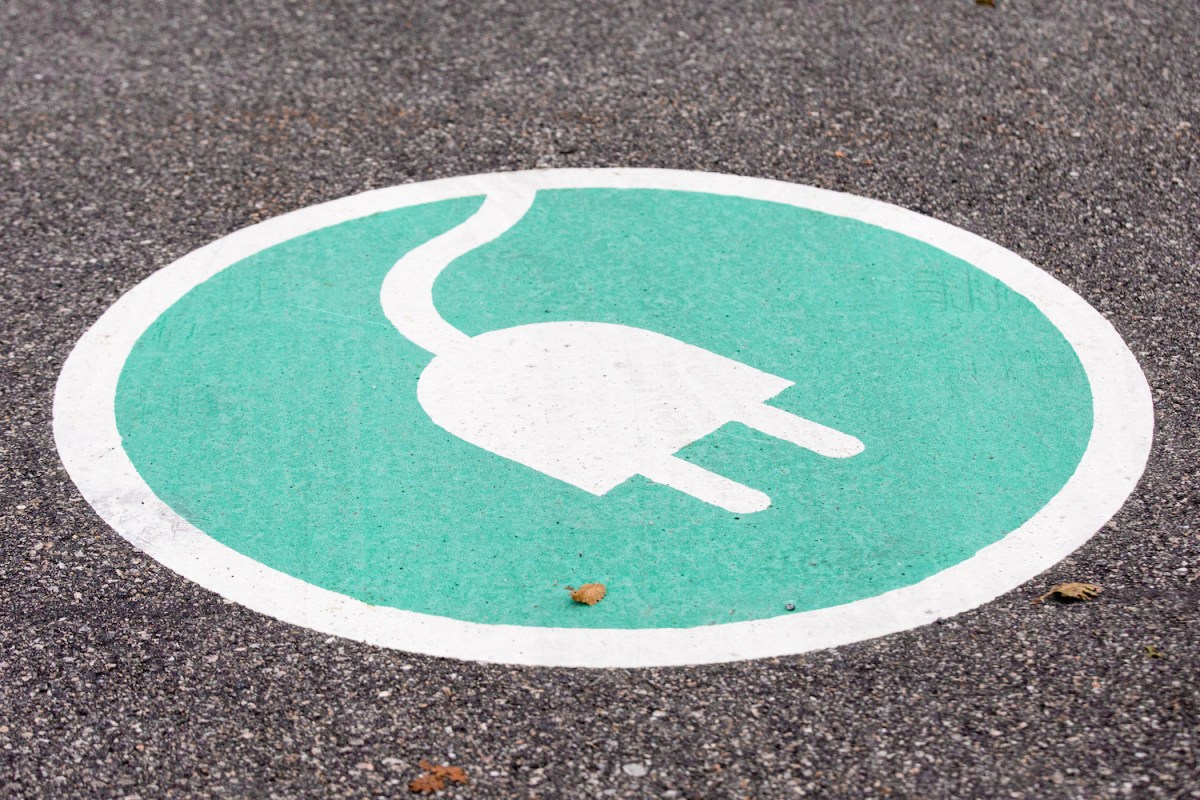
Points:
(85, 430)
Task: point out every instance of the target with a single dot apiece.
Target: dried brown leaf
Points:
(990, 3)
(426, 784)
(589, 594)
(1153, 651)
(435, 778)
(452, 774)
(1072, 591)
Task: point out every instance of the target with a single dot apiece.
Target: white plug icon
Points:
(588, 403)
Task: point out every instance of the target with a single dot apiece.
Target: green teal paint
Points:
(274, 407)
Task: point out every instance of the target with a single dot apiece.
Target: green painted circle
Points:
(274, 407)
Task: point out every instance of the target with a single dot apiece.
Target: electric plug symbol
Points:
(591, 404)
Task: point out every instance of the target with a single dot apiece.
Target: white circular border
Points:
(85, 431)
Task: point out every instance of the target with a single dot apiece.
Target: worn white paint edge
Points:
(86, 434)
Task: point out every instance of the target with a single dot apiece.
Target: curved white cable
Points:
(407, 292)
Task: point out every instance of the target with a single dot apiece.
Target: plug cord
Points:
(407, 291)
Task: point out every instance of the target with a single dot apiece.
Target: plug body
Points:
(594, 404)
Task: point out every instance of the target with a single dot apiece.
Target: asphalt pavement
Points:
(133, 133)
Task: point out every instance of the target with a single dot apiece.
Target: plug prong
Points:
(800, 431)
(706, 486)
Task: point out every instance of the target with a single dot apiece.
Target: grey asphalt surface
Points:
(132, 133)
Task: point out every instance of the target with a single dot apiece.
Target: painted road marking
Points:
(591, 404)
(781, 396)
